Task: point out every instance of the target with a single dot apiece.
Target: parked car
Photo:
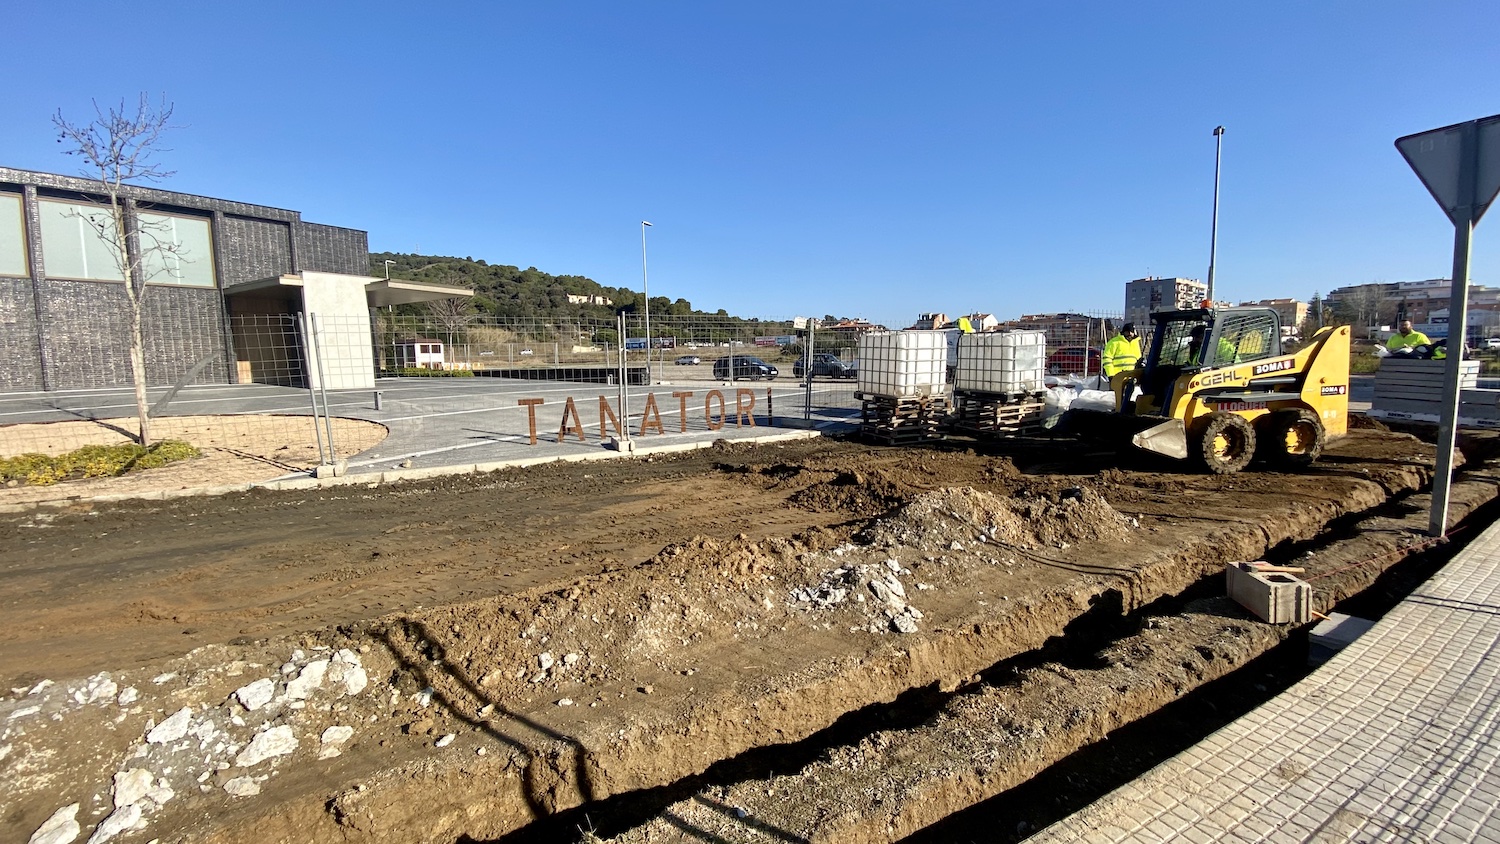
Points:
(1075, 360)
(688, 360)
(1492, 343)
(826, 366)
(745, 366)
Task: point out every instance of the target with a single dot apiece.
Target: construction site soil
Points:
(811, 641)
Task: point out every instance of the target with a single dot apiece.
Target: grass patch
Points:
(93, 461)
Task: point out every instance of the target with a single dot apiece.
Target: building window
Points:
(12, 236)
(72, 246)
(185, 255)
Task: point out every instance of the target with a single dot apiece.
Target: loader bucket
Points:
(1168, 438)
(1119, 430)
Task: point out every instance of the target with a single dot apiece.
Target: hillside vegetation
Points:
(507, 291)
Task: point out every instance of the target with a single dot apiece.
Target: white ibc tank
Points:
(903, 364)
(1001, 362)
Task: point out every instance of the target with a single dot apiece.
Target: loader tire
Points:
(1225, 443)
(1292, 439)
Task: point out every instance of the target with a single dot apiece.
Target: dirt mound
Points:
(955, 518)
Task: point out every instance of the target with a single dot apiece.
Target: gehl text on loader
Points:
(1216, 389)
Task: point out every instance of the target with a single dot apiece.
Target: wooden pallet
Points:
(1019, 397)
(906, 421)
(992, 415)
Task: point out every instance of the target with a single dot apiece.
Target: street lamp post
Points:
(646, 291)
(388, 269)
(1213, 245)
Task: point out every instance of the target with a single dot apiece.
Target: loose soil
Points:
(532, 641)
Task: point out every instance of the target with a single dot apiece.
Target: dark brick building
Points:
(63, 308)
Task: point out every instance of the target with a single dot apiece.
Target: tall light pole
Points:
(388, 269)
(646, 291)
(1213, 246)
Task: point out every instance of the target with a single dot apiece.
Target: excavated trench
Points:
(860, 680)
(1036, 737)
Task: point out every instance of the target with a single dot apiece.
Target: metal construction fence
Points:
(310, 390)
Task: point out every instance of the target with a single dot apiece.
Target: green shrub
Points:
(1363, 364)
(93, 461)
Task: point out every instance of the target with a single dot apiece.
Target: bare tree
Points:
(452, 313)
(117, 147)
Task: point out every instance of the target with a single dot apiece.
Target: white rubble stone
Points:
(131, 786)
(163, 679)
(310, 679)
(277, 741)
(329, 751)
(23, 712)
(128, 696)
(253, 696)
(122, 819)
(61, 828)
(171, 729)
(424, 697)
(345, 670)
(101, 687)
(445, 740)
(904, 624)
(571, 660)
(337, 734)
(545, 661)
(242, 787)
(161, 793)
(39, 688)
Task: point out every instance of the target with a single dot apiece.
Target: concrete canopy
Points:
(397, 292)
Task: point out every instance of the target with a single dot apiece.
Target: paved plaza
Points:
(435, 422)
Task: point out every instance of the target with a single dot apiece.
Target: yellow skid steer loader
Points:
(1215, 388)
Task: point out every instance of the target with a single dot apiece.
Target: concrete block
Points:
(1273, 597)
(331, 470)
(1333, 634)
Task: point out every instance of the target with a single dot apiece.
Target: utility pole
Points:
(1213, 245)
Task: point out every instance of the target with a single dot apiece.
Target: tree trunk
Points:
(138, 371)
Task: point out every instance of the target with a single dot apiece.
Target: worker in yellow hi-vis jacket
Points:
(1123, 351)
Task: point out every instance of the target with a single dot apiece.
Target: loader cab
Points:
(1191, 341)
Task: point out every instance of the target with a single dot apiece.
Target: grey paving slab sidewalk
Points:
(1392, 740)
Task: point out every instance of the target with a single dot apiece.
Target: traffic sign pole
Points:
(1458, 314)
(1460, 166)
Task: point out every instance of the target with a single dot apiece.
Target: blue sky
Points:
(868, 159)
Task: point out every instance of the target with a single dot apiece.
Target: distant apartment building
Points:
(1064, 329)
(1425, 303)
(984, 322)
(579, 299)
(930, 322)
(1146, 296)
(1291, 312)
(852, 326)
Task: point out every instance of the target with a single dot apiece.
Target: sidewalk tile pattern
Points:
(1392, 740)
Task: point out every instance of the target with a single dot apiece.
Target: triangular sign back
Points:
(1436, 156)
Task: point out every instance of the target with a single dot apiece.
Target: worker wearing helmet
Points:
(1123, 351)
